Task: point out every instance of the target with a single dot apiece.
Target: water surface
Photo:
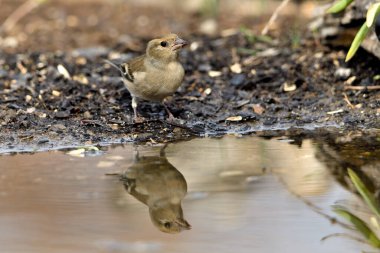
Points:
(243, 195)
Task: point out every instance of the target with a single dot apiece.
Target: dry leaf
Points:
(235, 118)
(258, 109)
(289, 87)
(63, 71)
(236, 68)
(213, 73)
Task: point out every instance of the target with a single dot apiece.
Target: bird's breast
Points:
(157, 83)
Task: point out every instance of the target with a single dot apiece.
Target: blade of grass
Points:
(360, 225)
(372, 13)
(339, 6)
(364, 192)
(360, 36)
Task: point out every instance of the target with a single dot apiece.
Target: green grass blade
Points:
(364, 192)
(372, 13)
(360, 226)
(339, 6)
(360, 36)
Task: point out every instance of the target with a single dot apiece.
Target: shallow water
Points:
(243, 195)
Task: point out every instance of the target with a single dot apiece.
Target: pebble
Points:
(343, 73)
(237, 80)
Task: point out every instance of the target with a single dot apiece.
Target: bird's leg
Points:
(136, 118)
(171, 117)
(162, 150)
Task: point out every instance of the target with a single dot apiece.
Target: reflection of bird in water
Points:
(158, 184)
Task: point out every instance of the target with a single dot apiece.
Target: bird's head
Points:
(169, 219)
(165, 48)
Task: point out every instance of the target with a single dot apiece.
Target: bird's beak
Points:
(183, 224)
(179, 43)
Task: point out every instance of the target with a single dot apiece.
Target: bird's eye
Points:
(164, 44)
(167, 225)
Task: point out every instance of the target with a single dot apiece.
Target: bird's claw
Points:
(139, 119)
(171, 118)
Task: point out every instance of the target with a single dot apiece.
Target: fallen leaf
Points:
(63, 71)
(213, 73)
(77, 152)
(258, 109)
(28, 98)
(234, 118)
(208, 91)
(350, 80)
(236, 68)
(56, 93)
(81, 79)
(289, 87)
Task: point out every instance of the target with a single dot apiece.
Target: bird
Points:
(156, 74)
(154, 181)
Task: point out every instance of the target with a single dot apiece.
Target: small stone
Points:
(204, 67)
(56, 93)
(209, 27)
(28, 98)
(81, 61)
(62, 114)
(31, 110)
(58, 127)
(237, 80)
(81, 79)
(43, 140)
(87, 115)
(343, 73)
(194, 46)
(208, 91)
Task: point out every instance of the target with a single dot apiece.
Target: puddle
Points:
(243, 194)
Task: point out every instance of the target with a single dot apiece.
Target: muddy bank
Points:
(233, 84)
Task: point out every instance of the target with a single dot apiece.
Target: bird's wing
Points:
(132, 67)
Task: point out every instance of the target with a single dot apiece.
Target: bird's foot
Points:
(139, 119)
(171, 118)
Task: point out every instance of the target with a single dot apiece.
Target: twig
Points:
(19, 13)
(372, 87)
(274, 17)
(348, 101)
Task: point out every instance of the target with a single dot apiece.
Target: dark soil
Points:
(40, 108)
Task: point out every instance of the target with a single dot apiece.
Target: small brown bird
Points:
(159, 185)
(155, 75)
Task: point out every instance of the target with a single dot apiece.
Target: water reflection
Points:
(158, 184)
(237, 196)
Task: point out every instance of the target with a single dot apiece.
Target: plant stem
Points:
(18, 14)
(274, 16)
